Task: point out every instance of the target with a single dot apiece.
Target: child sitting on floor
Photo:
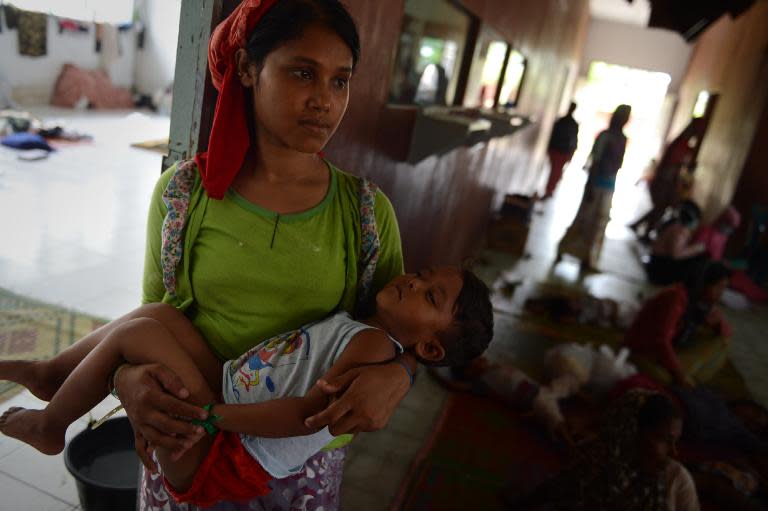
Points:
(675, 257)
(628, 466)
(679, 335)
(442, 315)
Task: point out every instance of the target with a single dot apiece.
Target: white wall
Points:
(32, 78)
(155, 63)
(651, 49)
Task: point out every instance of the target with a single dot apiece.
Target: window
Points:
(700, 108)
(100, 11)
(513, 79)
(429, 53)
(485, 72)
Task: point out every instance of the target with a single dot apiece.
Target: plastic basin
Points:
(105, 466)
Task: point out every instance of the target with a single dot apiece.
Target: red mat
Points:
(478, 446)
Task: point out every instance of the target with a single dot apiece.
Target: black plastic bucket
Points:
(105, 465)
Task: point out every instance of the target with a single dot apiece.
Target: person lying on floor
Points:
(674, 254)
(667, 338)
(740, 484)
(629, 466)
(569, 369)
(442, 315)
(582, 309)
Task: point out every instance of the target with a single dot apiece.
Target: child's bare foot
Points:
(30, 427)
(30, 374)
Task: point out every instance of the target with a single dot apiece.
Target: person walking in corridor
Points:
(584, 238)
(562, 145)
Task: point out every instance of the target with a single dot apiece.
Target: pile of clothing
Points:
(27, 135)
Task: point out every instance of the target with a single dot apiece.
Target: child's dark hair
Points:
(705, 275)
(472, 328)
(288, 19)
(657, 410)
(689, 213)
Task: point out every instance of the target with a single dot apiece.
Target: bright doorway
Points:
(597, 94)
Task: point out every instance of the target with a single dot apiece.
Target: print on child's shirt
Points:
(284, 349)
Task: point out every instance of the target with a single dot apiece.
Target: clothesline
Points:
(115, 12)
(32, 30)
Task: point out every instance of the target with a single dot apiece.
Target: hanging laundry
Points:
(99, 36)
(67, 25)
(33, 33)
(11, 16)
(142, 34)
(107, 41)
(110, 48)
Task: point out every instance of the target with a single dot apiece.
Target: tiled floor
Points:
(73, 234)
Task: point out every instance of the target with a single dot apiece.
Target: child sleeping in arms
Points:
(254, 407)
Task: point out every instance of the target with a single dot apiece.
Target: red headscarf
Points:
(229, 138)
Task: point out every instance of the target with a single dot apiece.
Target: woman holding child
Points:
(280, 247)
(261, 235)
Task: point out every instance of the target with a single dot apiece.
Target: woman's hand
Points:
(152, 396)
(144, 450)
(368, 398)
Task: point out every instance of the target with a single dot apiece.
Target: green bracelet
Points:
(207, 424)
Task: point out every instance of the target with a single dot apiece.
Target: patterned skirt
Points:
(584, 238)
(317, 487)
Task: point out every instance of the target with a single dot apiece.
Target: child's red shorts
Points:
(229, 472)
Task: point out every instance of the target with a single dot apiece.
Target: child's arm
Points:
(683, 247)
(284, 417)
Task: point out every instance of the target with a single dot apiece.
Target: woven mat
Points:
(159, 145)
(30, 329)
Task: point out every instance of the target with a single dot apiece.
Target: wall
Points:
(444, 203)
(32, 78)
(639, 47)
(752, 187)
(155, 62)
(730, 58)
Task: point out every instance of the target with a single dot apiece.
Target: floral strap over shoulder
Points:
(177, 196)
(369, 241)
